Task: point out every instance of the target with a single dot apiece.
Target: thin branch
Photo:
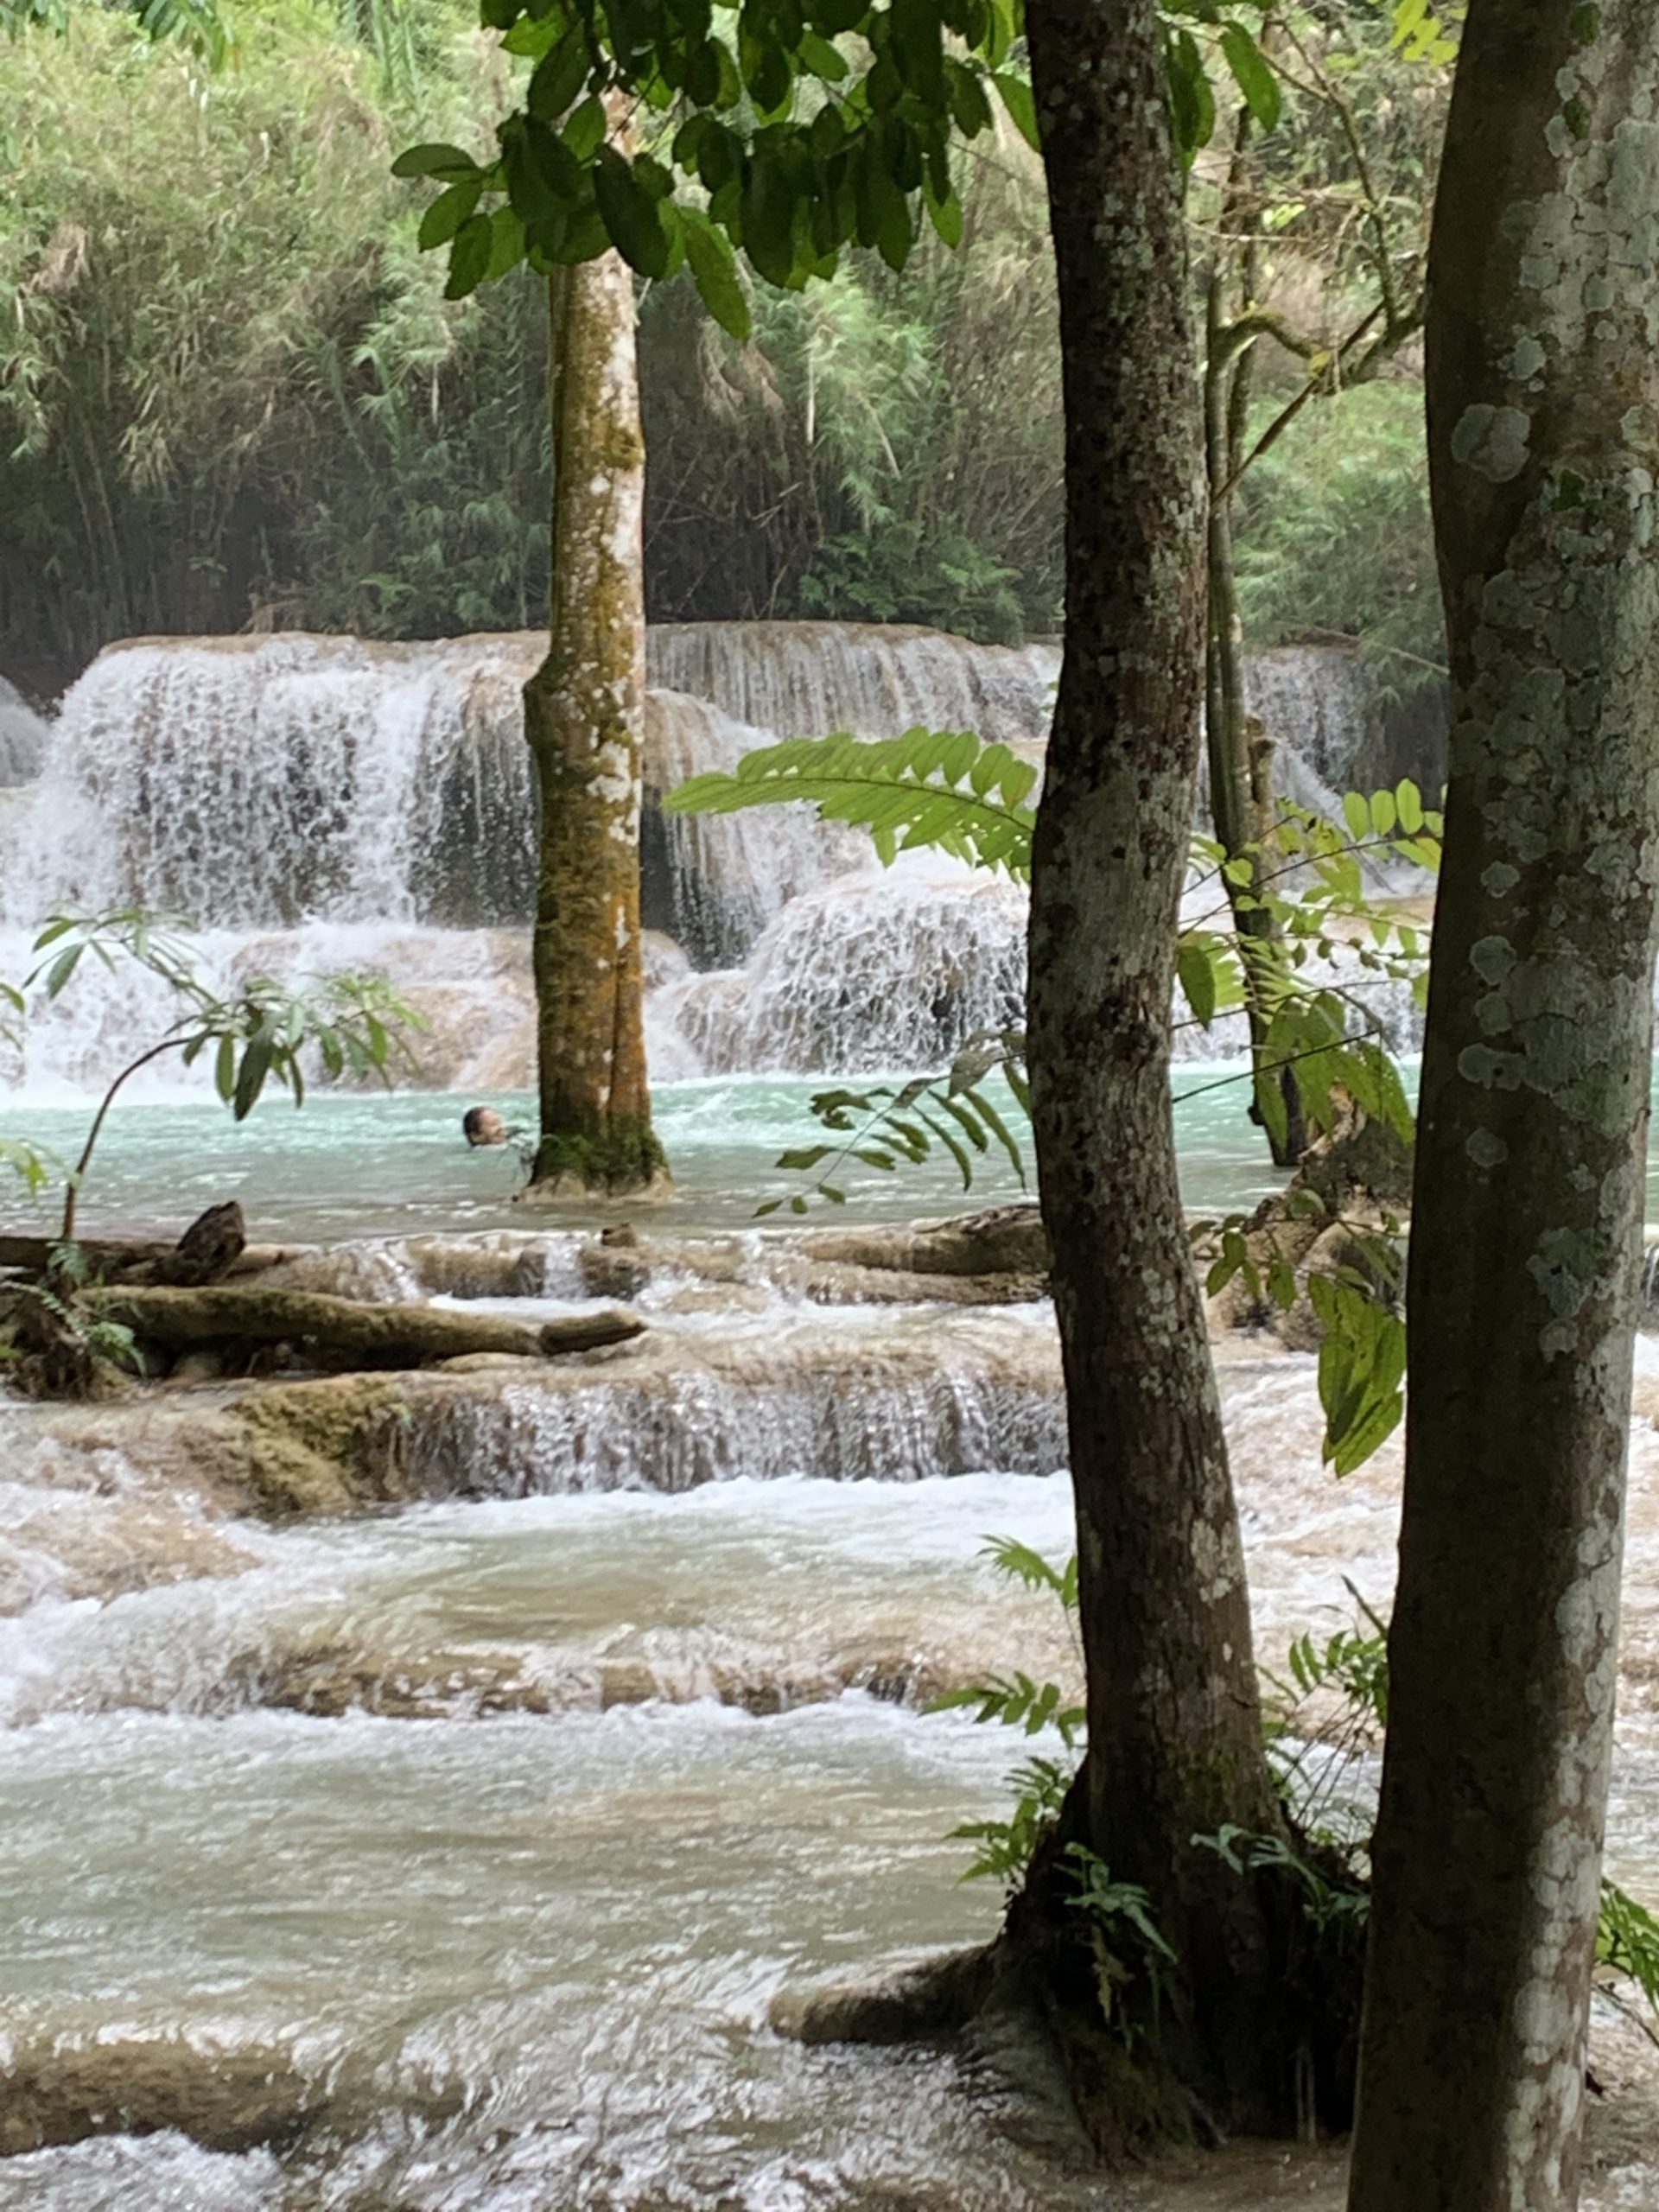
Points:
(72, 1188)
(1249, 1074)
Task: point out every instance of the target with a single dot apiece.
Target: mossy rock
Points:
(226, 2101)
(332, 1446)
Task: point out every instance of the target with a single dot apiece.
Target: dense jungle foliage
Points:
(232, 396)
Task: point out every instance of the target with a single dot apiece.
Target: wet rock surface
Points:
(997, 1256)
(226, 2099)
(382, 1632)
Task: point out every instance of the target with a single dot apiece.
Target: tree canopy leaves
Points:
(785, 133)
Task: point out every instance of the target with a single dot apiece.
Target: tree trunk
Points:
(1175, 1744)
(1543, 396)
(584, 716)
(1240, 757)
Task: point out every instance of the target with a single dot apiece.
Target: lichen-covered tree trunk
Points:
(1543, 392)
(1175, 1744)
(584, 716)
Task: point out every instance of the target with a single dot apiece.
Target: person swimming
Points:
(483, 1125)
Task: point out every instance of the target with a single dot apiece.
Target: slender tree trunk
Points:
(1175, 1744)
(1543, 392)
(584, 716)
(1241, 789)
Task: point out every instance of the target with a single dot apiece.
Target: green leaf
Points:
(768, 217)
(1191, 102)
(62, 968)
(969, 108)
(530, 36)
(998, 1128)
(713, 270)
(1253, 73)
(944, 214)
(256, 1057)
(1357, 813)
(917, 45)
(822, 59)
(449, 162)
(1361, 1365)
(702, 81)
(632, 215)
(548, 177)
(447, 212)
(1022, 106)
(586, 129)
(559, 77)
(506, 243)
(769, 76)
(469, 257)
(896, 234)
(1195, 968)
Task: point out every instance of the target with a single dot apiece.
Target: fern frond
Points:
(946, 791)
(1020, 1563)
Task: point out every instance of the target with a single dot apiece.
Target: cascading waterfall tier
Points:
(319, 802)
(807, 679)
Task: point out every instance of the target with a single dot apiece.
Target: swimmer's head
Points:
(483, 1125)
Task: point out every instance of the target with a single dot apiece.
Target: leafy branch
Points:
(943, 789)
(259, 1033)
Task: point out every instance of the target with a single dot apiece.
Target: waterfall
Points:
(894, 971)
(809, 679)
(256, 781)
(318, 802)
(714, 882)
(1317, 704)
(22, 738)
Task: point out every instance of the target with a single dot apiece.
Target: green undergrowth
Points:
(1327, 1712)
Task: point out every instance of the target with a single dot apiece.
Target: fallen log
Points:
(343, 1332)
(215, 1247)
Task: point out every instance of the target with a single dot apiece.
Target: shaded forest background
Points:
(232, 397)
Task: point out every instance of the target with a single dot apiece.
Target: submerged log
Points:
(343, 1332)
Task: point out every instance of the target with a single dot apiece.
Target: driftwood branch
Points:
(343, 1332)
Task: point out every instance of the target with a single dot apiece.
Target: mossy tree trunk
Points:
(1174, 1727)
(1543, 401)
(584, 716)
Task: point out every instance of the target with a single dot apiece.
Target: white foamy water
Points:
(493, 1820)
(557, 1931)
(315, 802)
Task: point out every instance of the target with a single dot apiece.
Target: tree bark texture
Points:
(1175, 1745)
(584, 716)
(1543, 397)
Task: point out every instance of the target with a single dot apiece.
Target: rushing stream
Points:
(451, 1856)
(490, 1830)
